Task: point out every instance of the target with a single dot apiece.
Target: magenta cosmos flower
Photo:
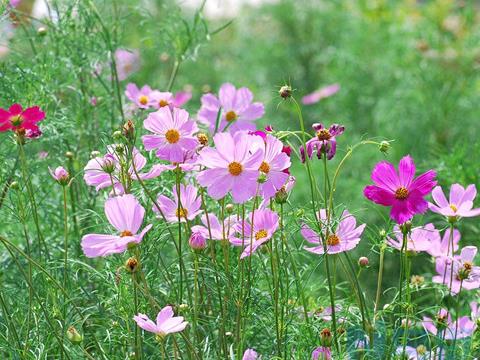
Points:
(273, 166)
(105, 171)
(189, 204)
(265, 223)
(125, 214)
(238, 111)
(231, 166)
(127, 62)
(142, 98)
(458, 271)
(419, 239)
(344, 238)
(250, 354)
(460, 203)
(324, 142)
(161, 99)
(173, 133)
(214, 230)
(441, 246)
(60, 175)
(165, 324)
(448, 328)
(322, 353)
(17, 119)
(401, 191)
(320, 94)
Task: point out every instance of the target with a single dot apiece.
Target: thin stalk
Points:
(379, 281)
(65, 258)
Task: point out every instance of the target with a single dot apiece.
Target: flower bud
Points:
(406, 227)
(269, 128)
(384, 146)
(326, 337)
(93, 101)
(131, 265)
(281, 196)
(363, 261)
(108, 163)
(421, 350)
(60, 175)
(183, 307)
(465, 271)
(285, 91)
(42, 31)
(262, 178)
(417, 280)
(69, 155)
(197, 241)
(117, 135)
(14, 185)
(74, 336)
(128, 130)
(94, 154)
(382, 233)
(229, 208)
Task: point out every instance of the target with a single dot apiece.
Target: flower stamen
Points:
(172, 136)
(261, 234)
(143, 100)
(126, 233)
(264, 167)
(324, 135)
(231, 116)
(401, 193)
(235, 168)
(333, 240)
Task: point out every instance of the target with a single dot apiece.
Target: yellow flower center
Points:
(264, 167)
(467, 265)
(454, 208)
(323, 134)
(172, 136)
(401, 193)
(261, 234)
(143, 100)
(202, 138)
(182, 213)
(230, 116)
(162, 103)
(333, 240)
(235, 168)
(16, 120)
(126, 233)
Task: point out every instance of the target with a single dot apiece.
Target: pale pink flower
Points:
(189, 206)
(418, 239)
(166, 323)
(125, 214)
(250, 354)
(60, 175)
(460, 203)
(441, 246)
(213, 229)
(320, 94)
(161, 99)
(142, 98)
(127, 62)
(322, 353)
(464, 328)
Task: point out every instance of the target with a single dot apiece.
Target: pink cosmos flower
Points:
(217, 230)
(322, 353)
(448, 327)
(265, 223)
(142, 98)
(125, 214)
(460, 203)
(189, 204)
(162, 99)
(344, 238)
(250, 354)
(101, 172)
(320, 94)
(15, 3)
(172, 133)
(458, 271)
(127, 62)
(230, 167)
(419, 239)
(165, 324)
(17, 119)
(273, 166)
(324, 142)
(475, 308)
(400, 191)
(60, 175)
(326, 314)
(441, 246)
(417, 354)
(238, 109)
(42, 155)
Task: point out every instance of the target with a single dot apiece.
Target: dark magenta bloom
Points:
(324, 142)
(15, 119)
(404, 193)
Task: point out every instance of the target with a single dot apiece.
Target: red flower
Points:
(17, 119)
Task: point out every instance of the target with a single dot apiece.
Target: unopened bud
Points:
(281, 196)
(406, 227)
(285, 91)
(128, 130)
(197, 241)
(229, 208)
(363, 261)
(417, 280)
(262, 178)
(384, 146)
(326, 337)
(14, 185)
(94, 154)
(131, 265)
(382, 233)
(117, 135)
(42, 31)
(421, 350)
(69, 155)
(74, 336)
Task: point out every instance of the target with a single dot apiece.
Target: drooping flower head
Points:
(60, 175)
(265, 223)
(213, 229)
(320, 94)
(173, 133)
(142, 98)
(250, 354)
(441, 246)
(459, 271)
(125, 214)
(24, 122)
(418, 239)
(322, 353)
(238, 111)
(189, 206)
(231, 166)
(459, 205)
(344, 238)
(106, 171)
(445, 328)
(401, 191)
(324, 141)
(127, 63)
(273, 166)
(166, 323)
